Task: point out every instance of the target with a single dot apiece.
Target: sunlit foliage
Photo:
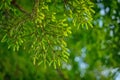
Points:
(42, 29)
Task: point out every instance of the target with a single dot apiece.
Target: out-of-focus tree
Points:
(96, 51)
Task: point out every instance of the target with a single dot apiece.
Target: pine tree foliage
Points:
(41, 28)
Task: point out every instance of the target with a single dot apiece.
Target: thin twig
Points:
(61, 74)
(14, 3)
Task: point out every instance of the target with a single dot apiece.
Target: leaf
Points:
(20, 41)
(65, 24)
(69, 30)
(54, 64)
(17, 47)
(90, 24)
(65, 56)
(92, 10)
(50, 63)
(34, 60)
(11, 32)
(59, 62)
(82, 25)
(66, 53)
(4, 38)
(86, 26)
(64, 43)
(64, 59)
(9, 46)
(65, 33)
(40, 63)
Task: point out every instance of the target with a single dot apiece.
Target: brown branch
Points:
(14, 3)
(65, 2)
(61, 74)
(36, 4)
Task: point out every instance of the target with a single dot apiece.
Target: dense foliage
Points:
(36, 34)
(42, 29)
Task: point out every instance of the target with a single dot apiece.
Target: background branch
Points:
(14, 3)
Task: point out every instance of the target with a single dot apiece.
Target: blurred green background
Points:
(94, 53)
